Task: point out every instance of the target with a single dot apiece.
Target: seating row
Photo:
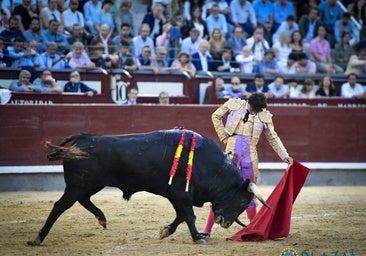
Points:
(112, 87)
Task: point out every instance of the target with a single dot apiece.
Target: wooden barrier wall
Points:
(311, 134)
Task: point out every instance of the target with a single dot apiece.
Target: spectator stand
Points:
(93, 78)
(338, 80)
(182, 89)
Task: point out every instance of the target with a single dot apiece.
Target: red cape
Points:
(275, 222)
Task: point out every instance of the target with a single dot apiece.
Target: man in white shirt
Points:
(72, 16)
(352, 89)
(202, 59)
(278, 89)
(50, 13)
(246, 60)
(190, 44)
(258, 44)
(142, 40)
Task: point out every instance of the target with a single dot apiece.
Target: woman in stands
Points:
(296, 44)
(196, 22)
(307, 90)
(217, 43)
(183, 63)
(326, 87)
(282, 48)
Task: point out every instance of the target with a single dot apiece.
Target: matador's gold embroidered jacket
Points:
(243, 137)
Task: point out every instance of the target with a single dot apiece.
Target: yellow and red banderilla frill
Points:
(177, 155)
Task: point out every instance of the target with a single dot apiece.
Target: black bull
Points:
(142, 162)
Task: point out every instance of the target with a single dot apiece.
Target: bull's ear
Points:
(245, 185)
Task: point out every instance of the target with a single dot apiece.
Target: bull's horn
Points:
(240, 223)
(254, 189)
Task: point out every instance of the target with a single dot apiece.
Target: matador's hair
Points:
(258, 101)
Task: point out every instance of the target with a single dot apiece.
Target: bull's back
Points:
(142, 162)
(136, 162)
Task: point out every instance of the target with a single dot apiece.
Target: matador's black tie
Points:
(246, 116)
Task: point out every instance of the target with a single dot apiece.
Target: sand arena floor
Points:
(325, 221)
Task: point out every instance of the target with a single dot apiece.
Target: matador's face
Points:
(251, 109)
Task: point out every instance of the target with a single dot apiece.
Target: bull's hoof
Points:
(35, 242)
(164, 232)
(200, 241)
(200, 238)
(204, 235)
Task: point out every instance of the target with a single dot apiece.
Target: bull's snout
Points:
(226, 224)
(221, 221)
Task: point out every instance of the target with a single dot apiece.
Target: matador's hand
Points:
(288, 160)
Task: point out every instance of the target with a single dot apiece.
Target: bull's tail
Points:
(61, 152)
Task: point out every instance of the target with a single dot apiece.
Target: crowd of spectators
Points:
(276, 37)
(278, 89)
